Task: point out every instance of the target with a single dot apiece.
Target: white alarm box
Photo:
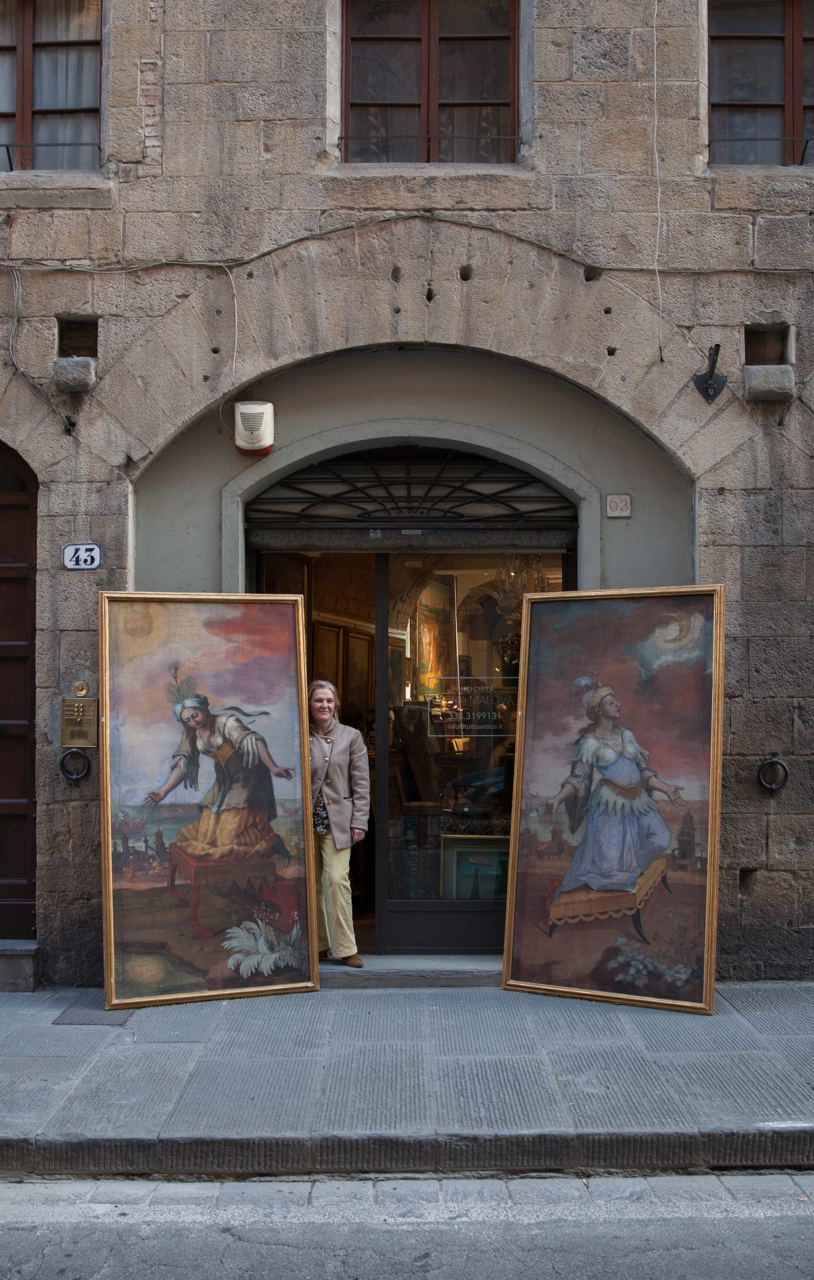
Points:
(254, 427)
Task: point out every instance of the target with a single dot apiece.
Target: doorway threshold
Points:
(413, 971)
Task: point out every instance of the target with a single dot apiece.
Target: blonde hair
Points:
(325, 684)
(596, 699)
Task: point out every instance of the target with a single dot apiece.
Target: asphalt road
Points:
(733, 1227)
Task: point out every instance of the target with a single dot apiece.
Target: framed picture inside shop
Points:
(614, 843)
(208, 887)
(474, 867)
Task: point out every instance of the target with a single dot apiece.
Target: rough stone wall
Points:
(221, 125)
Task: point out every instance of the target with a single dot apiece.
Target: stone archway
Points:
(400, 280)
(193, 494)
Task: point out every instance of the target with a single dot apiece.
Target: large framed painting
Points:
(435, 639)
(613, 867)
(208, 887)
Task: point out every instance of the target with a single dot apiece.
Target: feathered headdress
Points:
(178, 690)
(183, 694)
(591, 691)
(583, 685)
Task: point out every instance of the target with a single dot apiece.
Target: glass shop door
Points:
(446, 771)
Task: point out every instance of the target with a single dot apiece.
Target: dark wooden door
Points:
(18, 516)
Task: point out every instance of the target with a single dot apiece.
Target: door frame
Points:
(344, 502)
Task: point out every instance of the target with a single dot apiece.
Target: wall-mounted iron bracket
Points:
(711, 384)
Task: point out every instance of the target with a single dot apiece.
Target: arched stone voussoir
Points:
(29, 425)
(408, 279)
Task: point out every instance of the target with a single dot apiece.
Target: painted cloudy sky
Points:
(240, 654)
(654, 652)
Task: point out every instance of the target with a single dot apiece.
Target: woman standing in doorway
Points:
(340, 790)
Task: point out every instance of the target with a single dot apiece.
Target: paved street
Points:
(733, 1227)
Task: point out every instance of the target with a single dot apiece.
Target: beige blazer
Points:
(340, 770)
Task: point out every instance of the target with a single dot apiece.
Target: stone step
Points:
(17, 958)
(413, 971)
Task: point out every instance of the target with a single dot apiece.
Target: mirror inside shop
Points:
(453, 645)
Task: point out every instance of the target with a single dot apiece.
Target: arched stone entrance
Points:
(510, 417)
(412, 561)
(151, 434)
(201, 498)
(193, 496)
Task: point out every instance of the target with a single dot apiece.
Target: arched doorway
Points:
(18, 516)
(413, 562)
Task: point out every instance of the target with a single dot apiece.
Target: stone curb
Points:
(586, 1153)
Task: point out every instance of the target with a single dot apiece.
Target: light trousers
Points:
(334, 906)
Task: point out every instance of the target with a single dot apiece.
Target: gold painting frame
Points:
(598, 838)
(205, 896)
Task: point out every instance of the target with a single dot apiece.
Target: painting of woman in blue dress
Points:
(612, 880)
(611, 788)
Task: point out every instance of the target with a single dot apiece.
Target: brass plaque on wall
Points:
(79, 723)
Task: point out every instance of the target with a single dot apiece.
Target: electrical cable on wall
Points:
(232, 264)
(414, 215)
(226, 394)
(31, 383)
(68, 425)
(657, 172)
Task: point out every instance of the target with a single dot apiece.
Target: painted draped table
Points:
(609, 904)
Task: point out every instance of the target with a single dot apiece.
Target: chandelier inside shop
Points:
(517, 576)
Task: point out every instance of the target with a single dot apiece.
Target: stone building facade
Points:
(552, 311)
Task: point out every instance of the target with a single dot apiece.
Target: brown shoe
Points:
(354, 962)
(323, 955)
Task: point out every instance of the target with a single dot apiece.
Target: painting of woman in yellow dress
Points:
(208, 882)
(238, 809)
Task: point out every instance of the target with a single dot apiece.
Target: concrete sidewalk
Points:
(407, 1080)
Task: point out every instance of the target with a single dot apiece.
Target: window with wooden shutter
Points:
(50, 73)
(430, 80)
(761, 81)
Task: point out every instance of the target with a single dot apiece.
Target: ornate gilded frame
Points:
(603, 950)
(251, 882)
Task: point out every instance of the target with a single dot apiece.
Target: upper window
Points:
(761, 81)
(429, 80)
(49, 84)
